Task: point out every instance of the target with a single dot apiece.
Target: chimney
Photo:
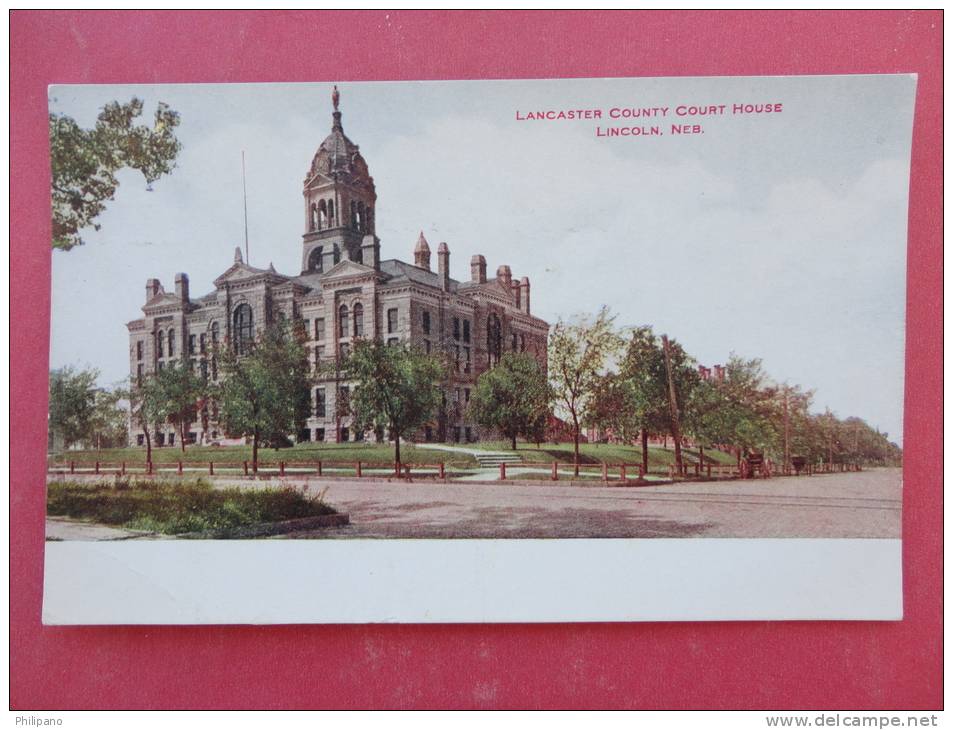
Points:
(182, 287)
(153, 287)
(443, 266)
(719, 372)
(422, 253)
(478, 269)
(524, 294)
(515, 288)
(504, 275)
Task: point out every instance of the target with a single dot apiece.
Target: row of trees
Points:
(629, 383)
(633, 384)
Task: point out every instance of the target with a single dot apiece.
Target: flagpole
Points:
(245, 203)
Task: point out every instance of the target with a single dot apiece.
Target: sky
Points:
(780, 236)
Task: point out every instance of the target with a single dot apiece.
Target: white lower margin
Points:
(467, 581)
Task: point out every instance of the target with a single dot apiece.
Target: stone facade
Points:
(344, 291)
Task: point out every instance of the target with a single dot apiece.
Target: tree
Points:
(145, 406)
(84, 162)
(107, 425)
(513, 397)
(397, 388)
(176, 391)
(72, 403)
(578, 353)
(266, 392)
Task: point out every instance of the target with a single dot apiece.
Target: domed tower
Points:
(339, 201)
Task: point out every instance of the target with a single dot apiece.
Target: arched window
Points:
(494, 338)
(358, 320)
(426, 322)
(330, 213)
(244, 332)
(360, 217)
(513, 342)
(160, 340)
(337, 254)
(322, 215)
(342, 321)
(370, 220)
(354, 215)
(522, 343)
(171, 343)
(214, 333)
(316, 260)
(314, 217)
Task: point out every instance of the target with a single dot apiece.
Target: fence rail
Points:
(246, 468)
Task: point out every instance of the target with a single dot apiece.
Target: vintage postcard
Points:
(548, 350)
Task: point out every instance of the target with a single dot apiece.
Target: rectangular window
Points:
(319, 434)
(345, 350)
(318, 355)
(344, 398)
(427, 346)
(466, 330)
(456, 395)
(456, 328)
(140, 439)
(466, 359)
(191, 344)
(159, 366)
(319, 329)
(320, 403)
(307, 328)
(139, 374)
(202, 343)
(469, 433)
(466, 399)
(159, 350)
(392, 341)
(426, 323)
(139, 350)
(214, 368)
(204, 366)
(391, 321)
(345, 434)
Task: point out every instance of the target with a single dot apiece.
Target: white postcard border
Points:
(470, 581)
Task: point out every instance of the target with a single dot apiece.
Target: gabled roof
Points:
(240, 270)
(401, 271)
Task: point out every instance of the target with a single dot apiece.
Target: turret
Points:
(504, 275)
(422, 253)
(523, 302)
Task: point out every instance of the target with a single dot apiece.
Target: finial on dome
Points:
(336, 114)
(335, 97)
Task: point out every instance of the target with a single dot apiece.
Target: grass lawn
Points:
(172, 508)
(351, 452)
(598, 453)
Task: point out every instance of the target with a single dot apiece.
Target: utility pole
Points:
(830, 440)
(673, 405)
(787, 434)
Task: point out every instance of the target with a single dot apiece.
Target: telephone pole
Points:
(787, 434)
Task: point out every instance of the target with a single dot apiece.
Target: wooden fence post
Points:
(709, 470)
(281, 468)
(122, 469)
(621, 472)
(97, 468)
(211, 468)
(555, 471)
(72, 467)
(442, 473)
(605, 472)
(180, 466)
(245, 467)
(357, 469)
(502, 471)
(319, 467)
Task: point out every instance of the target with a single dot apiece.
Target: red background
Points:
(660, 666)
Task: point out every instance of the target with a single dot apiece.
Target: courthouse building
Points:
(345, 291)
